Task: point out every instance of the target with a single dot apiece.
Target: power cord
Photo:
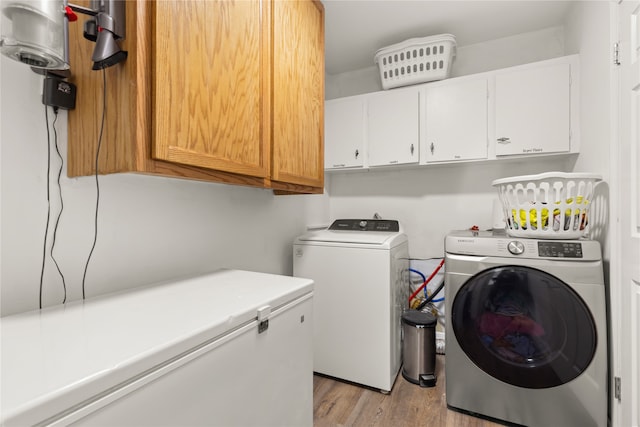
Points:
(95, 234)
(55, 228)
(46, 228)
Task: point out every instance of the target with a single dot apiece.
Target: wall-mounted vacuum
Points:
(35, 32)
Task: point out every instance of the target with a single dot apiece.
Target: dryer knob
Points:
(516, 247)
(363, 224)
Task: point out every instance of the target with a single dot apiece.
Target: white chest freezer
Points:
(230, 348)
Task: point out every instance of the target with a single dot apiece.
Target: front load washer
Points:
(360, 271)
(526, 330)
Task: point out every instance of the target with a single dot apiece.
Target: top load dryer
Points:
(360, 269)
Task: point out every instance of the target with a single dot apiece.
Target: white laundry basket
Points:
(552, 205)
(416, 60)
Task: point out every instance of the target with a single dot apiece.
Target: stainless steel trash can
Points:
(419, 347)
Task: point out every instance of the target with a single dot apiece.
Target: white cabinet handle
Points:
(504, 140)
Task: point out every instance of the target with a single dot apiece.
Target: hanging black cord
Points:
(95, 235)
(46, 228)
(55, 227)
(430, 297)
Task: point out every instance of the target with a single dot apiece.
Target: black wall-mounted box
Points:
(59, 93)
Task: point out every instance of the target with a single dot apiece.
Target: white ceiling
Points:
(356, 29)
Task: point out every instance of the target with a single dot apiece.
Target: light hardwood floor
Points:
(337, 403)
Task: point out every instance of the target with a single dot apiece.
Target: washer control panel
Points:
(560, 249)
(388, 225)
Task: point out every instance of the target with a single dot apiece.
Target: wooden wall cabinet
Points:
(226, 91)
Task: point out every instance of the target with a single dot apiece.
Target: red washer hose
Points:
(427, 281)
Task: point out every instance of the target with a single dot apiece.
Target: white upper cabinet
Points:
(344, 132)
(520, 111)
(455, 121)
(533, 110)
(393, 127)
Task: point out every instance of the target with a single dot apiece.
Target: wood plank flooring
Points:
(337, 403)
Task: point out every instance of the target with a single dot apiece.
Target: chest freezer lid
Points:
(58, 357)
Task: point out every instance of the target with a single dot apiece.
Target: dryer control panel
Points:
(560, 249)
(485, 243)
(388, 225)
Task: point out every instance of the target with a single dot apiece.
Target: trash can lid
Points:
(418, 318)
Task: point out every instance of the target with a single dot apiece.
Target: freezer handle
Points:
(263, 318)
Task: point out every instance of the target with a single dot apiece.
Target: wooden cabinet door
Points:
(532, 113)
(344, 133)
(210, 105)
(393, 127)
(298, 93)
(456, 121)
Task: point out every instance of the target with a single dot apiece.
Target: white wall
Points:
(587, 32)
(150, 228)
(477, 58)
(154, 228)
(430, 201)
(506, 52)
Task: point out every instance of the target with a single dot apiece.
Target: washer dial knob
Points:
(516, 247)
(363, 224)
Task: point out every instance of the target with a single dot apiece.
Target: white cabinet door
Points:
(456, 121)
(344, 127)
(532, 110)
(392, 127)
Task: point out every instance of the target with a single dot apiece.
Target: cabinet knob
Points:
(412, 149)
(432, 148)
(504, 140)
(357, 154)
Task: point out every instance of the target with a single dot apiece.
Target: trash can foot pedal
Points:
(428, 380)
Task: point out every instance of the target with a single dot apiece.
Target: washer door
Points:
(524, 326)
